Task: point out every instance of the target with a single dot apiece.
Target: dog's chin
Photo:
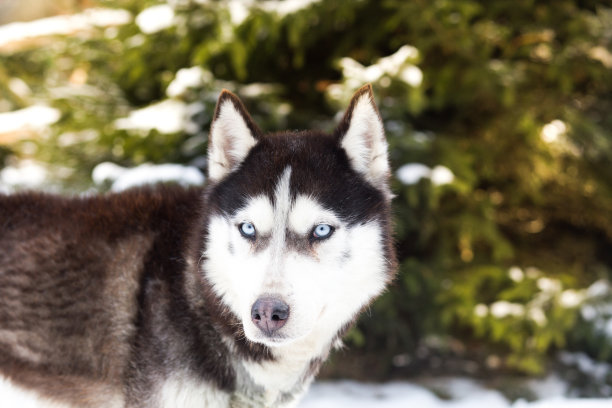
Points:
(272, 341)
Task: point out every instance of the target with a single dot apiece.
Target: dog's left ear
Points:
(232, 134)
(362, 136)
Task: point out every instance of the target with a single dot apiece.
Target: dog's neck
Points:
(281, 381)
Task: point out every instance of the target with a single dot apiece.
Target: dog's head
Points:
(297, 239)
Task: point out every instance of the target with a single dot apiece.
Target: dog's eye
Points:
(247, 230)
(322, 231)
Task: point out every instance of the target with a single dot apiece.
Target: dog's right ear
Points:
(232, 134)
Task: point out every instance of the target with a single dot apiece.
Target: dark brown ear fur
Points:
(362, 136)
(344, 124)
(226, 95)
(232, 135)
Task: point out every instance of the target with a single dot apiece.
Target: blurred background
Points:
(499, 120)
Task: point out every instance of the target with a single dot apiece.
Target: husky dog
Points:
(226, 296)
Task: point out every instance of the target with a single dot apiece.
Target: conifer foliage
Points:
(498, 119)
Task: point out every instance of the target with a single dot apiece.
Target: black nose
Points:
(269, 314)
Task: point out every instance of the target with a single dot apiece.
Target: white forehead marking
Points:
(259, 211)
(282, 202)
(266, 217)
(299, 215)
(306, 213)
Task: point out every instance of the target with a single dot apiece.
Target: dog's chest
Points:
(187, 392)
(278, 383)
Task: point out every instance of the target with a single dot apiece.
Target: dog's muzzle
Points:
(269, 314)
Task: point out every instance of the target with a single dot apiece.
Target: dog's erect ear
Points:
(232, 134)
(362, 136)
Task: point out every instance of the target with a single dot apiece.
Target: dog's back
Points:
(71, 272)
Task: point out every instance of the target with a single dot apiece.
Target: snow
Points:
(26, 173)
(441, 175)
(398, 65)
(585, 364)
(599, 288)
(537, 315)
(464, 393)
(571, 298)
(549, 285)
(239, 9)
(601, 54)
(61, 25)
(565, 403)
(596, 307)
(155, 18)
(411, 173)
(31, 118)
(516, 274)
(31, 175)
(398, 394)
(550, 386)
(19, 87)
(502, 308)
(123, 178)
(255, 89)
(168, 116)
(186, 78)
(412, 75)
(481, 310)
(393, 62)
(286, 7)
(588, 313)
(551, 132)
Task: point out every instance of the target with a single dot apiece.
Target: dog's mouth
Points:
(277, 339)
(274, 340)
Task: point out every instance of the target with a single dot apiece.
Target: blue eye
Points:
(247, 230)
(322, 231)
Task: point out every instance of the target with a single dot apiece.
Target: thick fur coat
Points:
(230, 295)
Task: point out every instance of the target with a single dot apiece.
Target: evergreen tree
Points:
(496, 114)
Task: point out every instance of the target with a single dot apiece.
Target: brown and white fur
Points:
(230, 295)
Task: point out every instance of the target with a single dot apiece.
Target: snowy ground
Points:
(463, 393)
